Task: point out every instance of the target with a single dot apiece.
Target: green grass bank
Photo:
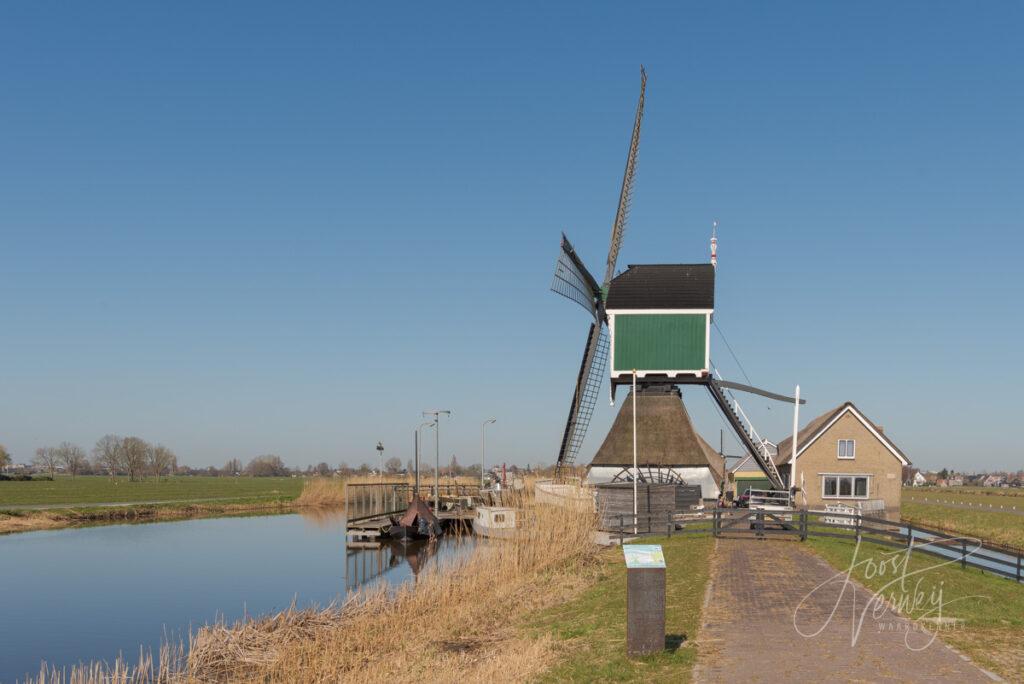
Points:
(590, 629)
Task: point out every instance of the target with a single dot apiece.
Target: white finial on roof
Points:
(714, 244)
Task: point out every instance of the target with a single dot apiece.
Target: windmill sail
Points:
(573, 281)
(626, 193)
(584, 398)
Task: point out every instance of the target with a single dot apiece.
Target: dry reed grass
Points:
(456, 623)
(322, 491)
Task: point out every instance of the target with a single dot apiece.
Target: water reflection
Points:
(324, 518)
(395, 562)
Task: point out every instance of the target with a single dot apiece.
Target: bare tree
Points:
(5, 457)
(134, 456)
(233, 467)
(160, 460)
(108, 454)
(267, 466)
(393, 465)
(46, 457)
(72, 456)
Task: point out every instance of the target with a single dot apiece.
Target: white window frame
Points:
(851, 448)
(852, 477)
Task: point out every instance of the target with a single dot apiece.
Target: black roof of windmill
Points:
(652, 322)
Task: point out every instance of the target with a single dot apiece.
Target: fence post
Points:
(621, 534)
(1019, 553)
(910, 535)
(963, 553)
(715, 519)
(857, 521)
(803, 525)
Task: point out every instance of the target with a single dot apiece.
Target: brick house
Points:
(842, 457)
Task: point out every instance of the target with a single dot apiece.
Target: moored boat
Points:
(495, 521)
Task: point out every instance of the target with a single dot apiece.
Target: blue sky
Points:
(270, 228)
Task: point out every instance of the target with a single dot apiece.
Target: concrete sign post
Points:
(645, 599)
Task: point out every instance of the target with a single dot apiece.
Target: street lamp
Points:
(429, 423)
(380, 451)
(437, 413)
(482, 426)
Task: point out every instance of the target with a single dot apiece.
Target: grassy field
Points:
(91, 489)
(993, 497)
(989, 610)
(1004, 528)
(589, 631)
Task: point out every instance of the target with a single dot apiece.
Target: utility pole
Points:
(416, 487)
(636, 471)
(796, 428)
(482, 426)
(437, 413)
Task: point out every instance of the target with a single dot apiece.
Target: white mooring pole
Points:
(796, 427)
(636, 471)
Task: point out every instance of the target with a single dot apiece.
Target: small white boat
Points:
(495, 521)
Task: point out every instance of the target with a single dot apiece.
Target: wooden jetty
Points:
(370, 506)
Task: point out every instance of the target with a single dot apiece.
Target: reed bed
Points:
(456, 623)
(322, 491)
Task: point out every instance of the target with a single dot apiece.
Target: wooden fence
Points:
(800, 525)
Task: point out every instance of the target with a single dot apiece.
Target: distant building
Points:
(746, 474)
(918, 480)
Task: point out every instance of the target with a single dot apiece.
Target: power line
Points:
(731, 352)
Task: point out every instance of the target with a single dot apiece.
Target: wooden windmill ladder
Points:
(746, 432)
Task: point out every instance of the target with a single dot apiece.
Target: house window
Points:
(847, 447)
(844, 487)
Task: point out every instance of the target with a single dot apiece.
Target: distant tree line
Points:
(136, 459)
(113, 455)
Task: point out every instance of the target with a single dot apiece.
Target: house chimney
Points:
(880, 429)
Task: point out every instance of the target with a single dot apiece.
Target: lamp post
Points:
(437, 413)
(482, 426)
(416, 487)
(380, 452)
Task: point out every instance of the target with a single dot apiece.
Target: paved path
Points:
(1011, 508)
(750, 633)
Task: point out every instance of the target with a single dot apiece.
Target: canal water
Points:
(81, 594)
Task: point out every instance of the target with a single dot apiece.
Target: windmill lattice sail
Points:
(584, 399)
(626, 192)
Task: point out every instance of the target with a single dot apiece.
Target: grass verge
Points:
(589, 631)
(99, 490)
(987, 611)
(1004, 528)
(35, 520)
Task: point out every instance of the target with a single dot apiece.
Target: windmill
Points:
(652, 322)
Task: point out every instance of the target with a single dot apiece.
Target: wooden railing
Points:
(372, 500)
(803, 524)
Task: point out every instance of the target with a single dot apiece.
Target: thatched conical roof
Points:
(665, 435)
